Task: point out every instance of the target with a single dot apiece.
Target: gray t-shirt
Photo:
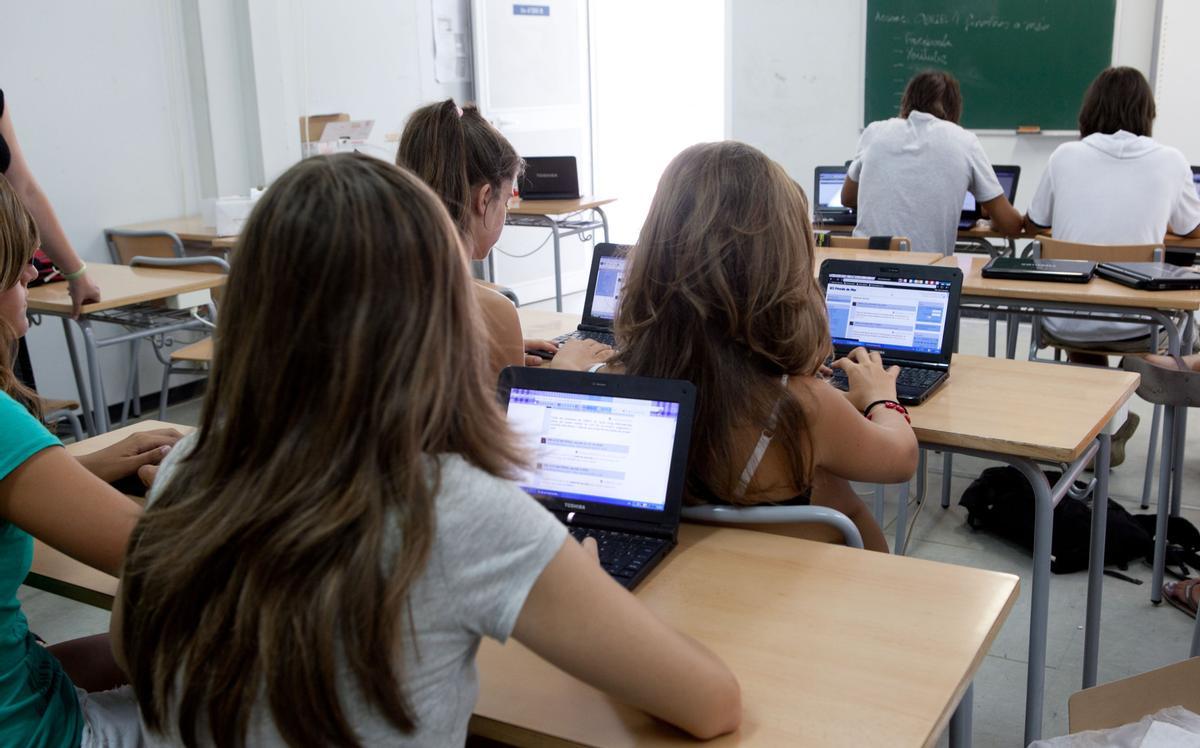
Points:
(913, 176)
(491, 544)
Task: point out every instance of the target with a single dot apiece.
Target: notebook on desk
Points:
(909, 313)
(1007, 176)
(549, 178)
(609, 456)
(1029, 268)
(1150, 276)
(827, 190)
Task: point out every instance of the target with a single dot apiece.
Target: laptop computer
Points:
(1008, 176)
(909, 313)
(827, 192)
(1036, 269)
(549, 178)
(1196, 178)
(604, 291)
(609, 458)
(1150, 276)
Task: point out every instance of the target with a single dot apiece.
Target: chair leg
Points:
(1148, 481)
(76, 426)
(947, 467)
(162, 395)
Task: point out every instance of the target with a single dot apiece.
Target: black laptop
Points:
(827, 195)
(1196, 179)
(1150, 276)
(909, 313)
(1007, 176)
(1036, 269)
(549, 178)
(604, 291)
(609, 457)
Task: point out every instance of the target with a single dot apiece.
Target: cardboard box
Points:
(316, 124)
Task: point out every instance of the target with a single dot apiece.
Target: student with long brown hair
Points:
(720, 291)
(472, 168)
(47, 494)
(318, 564)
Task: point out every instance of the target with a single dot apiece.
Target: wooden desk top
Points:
(874, 255)
(1096, 291)
(519, 207)
(187, 228)
(539, 323)
(803, 627)
(1022, 408)
(57, 572)
(121, 285)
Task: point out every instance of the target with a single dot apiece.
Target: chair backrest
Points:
(125, 245)
(809, 522)
(1056, 249)
(1129, 699)
(894, 243)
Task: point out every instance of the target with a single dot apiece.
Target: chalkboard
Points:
(1019, 62)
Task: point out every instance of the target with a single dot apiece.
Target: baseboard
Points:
(541, 289)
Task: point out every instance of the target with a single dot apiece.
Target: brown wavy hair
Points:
(1118, 99)
(934, 92)
(288, 539)
(18, 241)
(720, 291)
(455, 150)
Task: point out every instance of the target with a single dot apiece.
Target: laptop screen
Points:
(829, 189)
(1196, 178)
(898, 314)
(1007, 181)
(595, 448)
(610, 276)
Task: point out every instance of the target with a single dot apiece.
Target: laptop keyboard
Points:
(601, 337)
(621, 554)
(909, 377)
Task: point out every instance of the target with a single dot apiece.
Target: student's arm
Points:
(629, 653)
(127, 456)
(1033, 229)
(55, 499)
(54, 240)
(850, 193)
(880, 450)
(1005, 218)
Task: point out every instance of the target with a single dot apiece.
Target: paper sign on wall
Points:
(531, 10)
(452, 62)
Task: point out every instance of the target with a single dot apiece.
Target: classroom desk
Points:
(190, 230)
(132, 298)
(811, 671)
(987, 409)
(563, 218)
(799, 623)
(873, 255)
(980, 235)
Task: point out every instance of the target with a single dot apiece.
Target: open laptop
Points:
(604, 291)
(549, 178)
(609, 457)
(827, 197)
(1008, 176)
(909, 313)
(1196, 178)
(1150, 276)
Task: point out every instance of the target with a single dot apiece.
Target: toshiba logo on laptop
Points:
(546, 175)
(572, 505)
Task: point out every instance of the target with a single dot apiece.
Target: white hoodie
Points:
(1113, 189)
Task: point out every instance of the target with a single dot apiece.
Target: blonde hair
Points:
(288, 539)
(720, 291)
(18, 241)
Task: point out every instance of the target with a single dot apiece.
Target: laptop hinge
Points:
(578, 519)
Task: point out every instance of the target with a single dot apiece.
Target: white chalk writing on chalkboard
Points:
(968, 21)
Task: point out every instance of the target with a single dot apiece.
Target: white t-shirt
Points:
(491, 544)
(1114, 188)
(913, 176)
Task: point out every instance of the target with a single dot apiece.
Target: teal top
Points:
(38, 704)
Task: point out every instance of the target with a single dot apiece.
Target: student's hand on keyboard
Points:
(590, 548)
(869, 380)
(579, 354)
(534, 350)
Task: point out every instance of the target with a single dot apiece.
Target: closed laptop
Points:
(549, 178)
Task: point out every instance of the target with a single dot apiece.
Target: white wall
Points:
(797, 84)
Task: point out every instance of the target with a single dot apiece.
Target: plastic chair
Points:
(54, 411)
(893, 243)
(719, 514)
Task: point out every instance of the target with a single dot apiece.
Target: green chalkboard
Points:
(1019, 62)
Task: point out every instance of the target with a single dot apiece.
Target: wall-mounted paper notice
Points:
(452, 62)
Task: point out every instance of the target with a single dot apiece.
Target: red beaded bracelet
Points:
(890, 405)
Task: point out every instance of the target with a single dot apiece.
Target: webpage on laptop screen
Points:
(1005, 179)
(613, 450)
(609, 280)
(905, 314)
(829, 190)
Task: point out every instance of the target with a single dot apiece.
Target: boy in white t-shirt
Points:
(916, 169)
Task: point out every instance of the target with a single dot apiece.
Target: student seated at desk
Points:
(319, 562)
(46, 493)
(720, 291)
(1115, 185)
(911, 173)
(472, 168)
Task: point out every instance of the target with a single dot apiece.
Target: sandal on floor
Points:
(1182, 595)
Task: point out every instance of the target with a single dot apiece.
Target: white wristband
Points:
(595, 367)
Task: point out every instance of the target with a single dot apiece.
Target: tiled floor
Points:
(1135, 635)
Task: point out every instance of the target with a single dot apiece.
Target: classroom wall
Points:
(796, 84)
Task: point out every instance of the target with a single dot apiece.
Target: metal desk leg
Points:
(1151, 454)
(901, 519)
(1164, 505)
(603, 223)
(1043, 530)
(991, 334)
(1091, 637)
(947, 467)
(960, 721)
(1011, 329)
(557, 269)
(99, 408)
(81, 383)
(1177, 461)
